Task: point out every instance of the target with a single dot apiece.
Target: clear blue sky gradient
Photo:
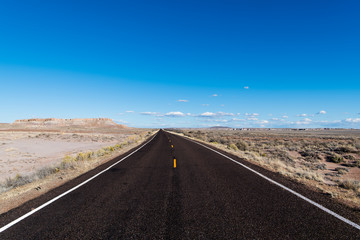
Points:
(72, 59)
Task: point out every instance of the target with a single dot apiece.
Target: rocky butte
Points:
(82, 122)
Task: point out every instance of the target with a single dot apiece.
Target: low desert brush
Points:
(350, 184)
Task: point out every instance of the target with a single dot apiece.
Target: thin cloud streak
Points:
(149, 113)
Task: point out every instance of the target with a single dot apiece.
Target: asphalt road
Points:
(205, 197)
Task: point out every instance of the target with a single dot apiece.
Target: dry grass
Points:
(24, 188)
(71, 162)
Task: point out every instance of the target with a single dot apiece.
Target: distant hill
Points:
(74, 122)
(218, 127)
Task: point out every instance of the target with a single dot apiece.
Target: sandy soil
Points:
(25, 152)
(29, 145)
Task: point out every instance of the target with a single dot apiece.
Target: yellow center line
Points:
(174, 163)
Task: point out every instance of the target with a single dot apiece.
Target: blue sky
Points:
(182, 63)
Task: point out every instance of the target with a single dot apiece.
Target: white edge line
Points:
(69, 191)
(284, 187)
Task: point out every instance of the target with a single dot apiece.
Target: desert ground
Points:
(327, 160)
(37, 155)
(23, 153)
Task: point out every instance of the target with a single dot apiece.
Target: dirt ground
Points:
(25, 152)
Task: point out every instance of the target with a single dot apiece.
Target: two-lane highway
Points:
(205, 197)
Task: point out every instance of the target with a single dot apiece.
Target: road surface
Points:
(206, 196)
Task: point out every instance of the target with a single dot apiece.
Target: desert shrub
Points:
(357, 163)
(212, 140)
(198, 134)
(100, 153)
(306, 153)
(105, 151)
(349, 157)
(312, 158)
(308, 175)
(68, 158)
(17, 181)
(357, 144)
(65, 165)
(187, 134)
(67, 162)
(350, 184)
(80, 156)
(88, 155)
(345, 149)
(342, 170)
(224, 141)
(335, 158)
(242, 145)
(321, 166)
(233, 147)
(46, 171)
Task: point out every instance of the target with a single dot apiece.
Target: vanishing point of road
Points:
(206, 196)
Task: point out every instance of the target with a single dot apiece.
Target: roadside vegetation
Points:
(328, 162)
(77, 163)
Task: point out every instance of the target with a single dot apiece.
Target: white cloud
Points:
(302, 115)
(251, 114)
(121, 121)
(218, 114)
(326, 121)
(214, 95)
(264, 121)
(252, 119)
(238, 120)
(174, 114)
(221, 120)
(246, 87)
(301, 123)
(322, 112)
(304, 122)
(206, 104)
(149, 113)
(182, 100)
(276, 119)
(129, 111)
(208, 114)
(352, 120)
(285, 116)
(225, 114)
